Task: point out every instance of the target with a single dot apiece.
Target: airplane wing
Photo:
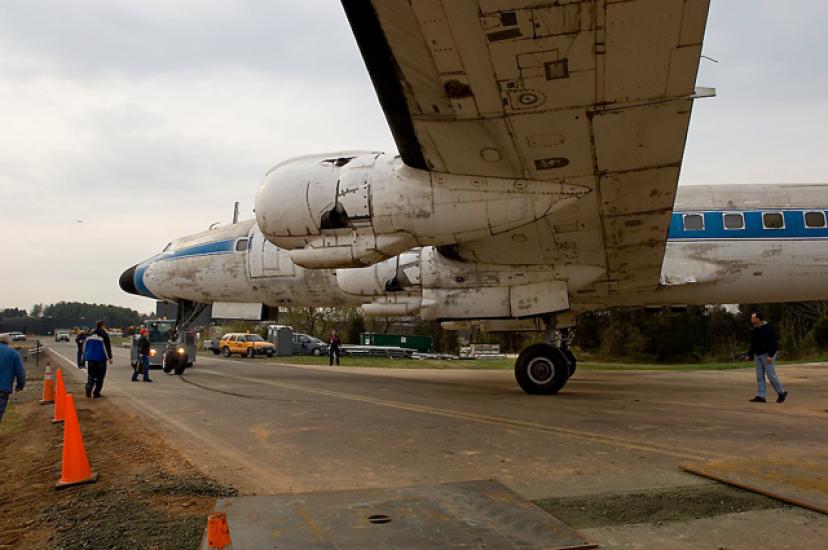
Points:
(593, 92)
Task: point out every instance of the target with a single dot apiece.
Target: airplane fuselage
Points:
(726, 244)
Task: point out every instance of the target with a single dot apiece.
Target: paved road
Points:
(274, 428)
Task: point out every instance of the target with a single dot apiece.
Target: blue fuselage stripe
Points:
(206, 249)
(714, 229)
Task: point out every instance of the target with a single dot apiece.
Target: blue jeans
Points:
(4, 398)
(144, 360)
(766, 368)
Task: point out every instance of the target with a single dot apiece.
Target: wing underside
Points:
(596, 93)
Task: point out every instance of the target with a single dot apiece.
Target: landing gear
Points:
(544, 369)
(541, 369)
(170, 361)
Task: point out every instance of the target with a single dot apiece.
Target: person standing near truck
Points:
(79, 340)
(143, 357)
(334, 345)
(97, 351)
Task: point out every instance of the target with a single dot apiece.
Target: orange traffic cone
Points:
(60, 398)
(75, 469)
(48, 386)
(218, 532)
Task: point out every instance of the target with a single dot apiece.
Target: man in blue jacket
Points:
(97, 351)
(11, 369)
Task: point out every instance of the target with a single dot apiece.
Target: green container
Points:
(422, 344)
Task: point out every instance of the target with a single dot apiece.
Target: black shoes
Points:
(134, 380)
(782, 397)
(96, 396)
(88, 391)
(147, 380)
(758, 399)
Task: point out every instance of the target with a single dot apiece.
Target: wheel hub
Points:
(540, 370)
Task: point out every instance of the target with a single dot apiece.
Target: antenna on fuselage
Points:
(236, 212)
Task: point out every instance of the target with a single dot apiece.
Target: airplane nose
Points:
(127, 281)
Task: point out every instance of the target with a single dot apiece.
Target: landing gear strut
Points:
(174, 359)
(544, 369)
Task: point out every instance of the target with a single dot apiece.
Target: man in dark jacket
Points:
(763, 347)
(79, 340)
(97, 351)
(334, 345)
(12, 373)
(143, 357)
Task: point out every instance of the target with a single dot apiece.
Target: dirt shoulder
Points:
(147, 496)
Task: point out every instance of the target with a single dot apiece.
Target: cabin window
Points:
(734, 221)
(773, 220)
(241, 245)
(693, 222)
(814, 220)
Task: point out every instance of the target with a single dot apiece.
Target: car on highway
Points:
(305, 344)
(17, 336)
(245, 344)
(62, 336)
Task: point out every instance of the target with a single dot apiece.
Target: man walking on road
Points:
(763, 347)
(143, 357)
(79, 340)
(97, 351)
(334, 345)
(11, 370)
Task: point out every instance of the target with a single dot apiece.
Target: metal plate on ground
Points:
(800, 480)
(475, 514)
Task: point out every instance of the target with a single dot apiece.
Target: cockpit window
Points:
(241, 245)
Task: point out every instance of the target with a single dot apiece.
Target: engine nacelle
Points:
(356, 209)
(398, 274)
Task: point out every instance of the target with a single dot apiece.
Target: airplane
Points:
(540, 147)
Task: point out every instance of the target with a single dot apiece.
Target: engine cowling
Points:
(357, 209)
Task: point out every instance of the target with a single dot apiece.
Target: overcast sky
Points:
(125, 124)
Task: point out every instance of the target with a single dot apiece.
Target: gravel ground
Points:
(147, 496)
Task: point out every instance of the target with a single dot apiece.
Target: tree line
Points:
(44, 318)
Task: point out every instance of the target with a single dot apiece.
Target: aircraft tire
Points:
(170, 361)
(573, 361)
(541, 369)
(181, 364)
